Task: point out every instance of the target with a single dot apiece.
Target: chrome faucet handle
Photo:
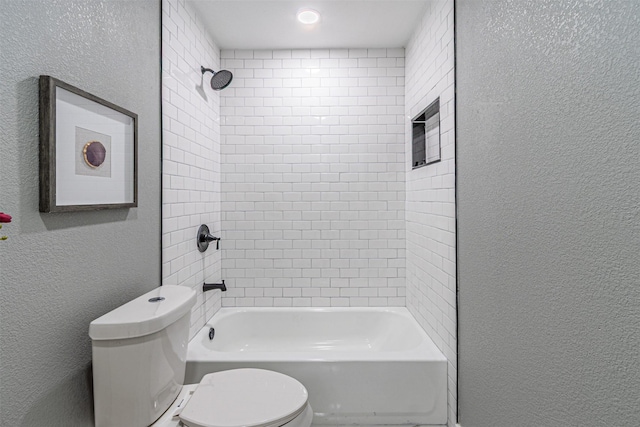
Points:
(209, 238)
(204, 237)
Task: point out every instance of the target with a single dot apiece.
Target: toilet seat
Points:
(245, 398)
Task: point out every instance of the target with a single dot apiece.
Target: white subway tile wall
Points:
(313, 165)
(430, 208)
(191, 156)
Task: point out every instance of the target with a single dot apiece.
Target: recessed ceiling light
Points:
(308, 16)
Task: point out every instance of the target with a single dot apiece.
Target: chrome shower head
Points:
(220, 79)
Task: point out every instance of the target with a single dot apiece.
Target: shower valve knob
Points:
(203, 238)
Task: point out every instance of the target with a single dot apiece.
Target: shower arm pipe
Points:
(204, 70)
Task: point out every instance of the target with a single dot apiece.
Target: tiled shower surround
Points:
(303, 167)
(191, 156)
(313, 178)
(430, 209)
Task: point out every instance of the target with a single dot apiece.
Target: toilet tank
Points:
(139, 357)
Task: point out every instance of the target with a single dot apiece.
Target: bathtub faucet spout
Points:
(210, 286)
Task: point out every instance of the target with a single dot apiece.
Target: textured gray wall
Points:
(60, 271)
(548, 125)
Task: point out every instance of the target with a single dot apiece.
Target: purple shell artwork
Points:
(94, 153)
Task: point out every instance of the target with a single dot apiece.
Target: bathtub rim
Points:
(425, 351)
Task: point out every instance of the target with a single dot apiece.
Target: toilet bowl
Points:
(139, 360)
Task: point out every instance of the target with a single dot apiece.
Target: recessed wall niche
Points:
(426, 136)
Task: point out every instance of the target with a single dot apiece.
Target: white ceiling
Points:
(267, 24)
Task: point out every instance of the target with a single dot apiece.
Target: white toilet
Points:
(139, 360)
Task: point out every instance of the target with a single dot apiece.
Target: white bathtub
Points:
(360, 365)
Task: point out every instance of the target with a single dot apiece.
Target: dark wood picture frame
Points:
(48, 148)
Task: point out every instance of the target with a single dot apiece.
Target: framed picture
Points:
(88, 151)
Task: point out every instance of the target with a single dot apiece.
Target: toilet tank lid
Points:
(144, 315)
